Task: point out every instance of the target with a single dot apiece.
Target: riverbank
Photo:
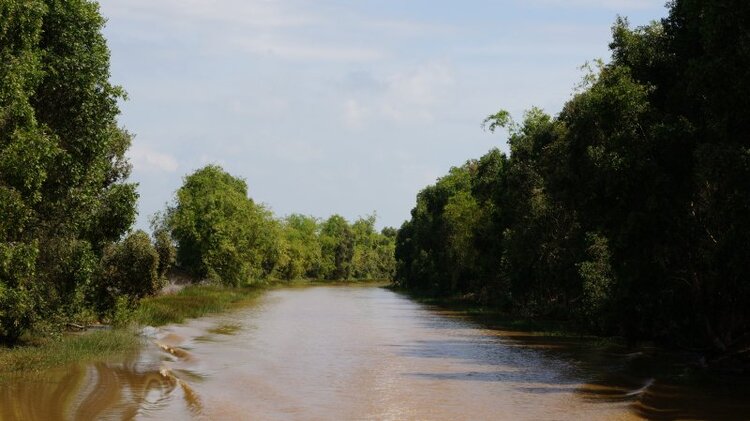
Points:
(689, 364)
(193, 301)
(39, 352)
(493, 317)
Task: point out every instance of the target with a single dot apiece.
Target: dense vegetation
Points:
(64, 201)
(223, 235)
(629, 211)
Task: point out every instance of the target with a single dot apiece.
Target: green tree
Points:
(303, 250)
(629, 211)
(373, 251)
(62, 155)
(221, 233)
(337, 248)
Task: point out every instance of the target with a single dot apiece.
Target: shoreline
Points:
(685, 364)
(38, 351)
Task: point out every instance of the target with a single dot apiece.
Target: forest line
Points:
(628, 212)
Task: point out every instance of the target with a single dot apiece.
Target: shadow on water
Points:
(653, 383)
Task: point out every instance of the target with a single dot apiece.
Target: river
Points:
(363, 352)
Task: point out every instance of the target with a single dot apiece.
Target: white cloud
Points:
(415, 93)
(260, 27)
(146, 159)
(410, 95)
(299, 50)
(409, 28)
(297, 151)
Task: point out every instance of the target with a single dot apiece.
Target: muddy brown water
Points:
(348, 352)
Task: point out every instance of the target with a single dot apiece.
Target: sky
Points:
(333, 106)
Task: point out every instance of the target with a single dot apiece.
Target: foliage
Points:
(629, 211)
(18, 301)
(166, 250)
(302, 251)
(63, 197)
(373, 251)
(597, 284)
(223, 235)
(129, 272)
(192, 301)
(337, 247)
(219, 230)
(164, 245)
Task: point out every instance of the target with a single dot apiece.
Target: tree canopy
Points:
(628, 211)
(63, 191)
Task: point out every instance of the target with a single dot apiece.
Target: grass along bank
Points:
(192, 301)
(37, 352)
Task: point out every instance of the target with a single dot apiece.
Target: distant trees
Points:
(337, 246)
(302, 255)
(629, 211)
(223, 235)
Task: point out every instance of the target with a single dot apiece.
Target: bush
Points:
(128, 269)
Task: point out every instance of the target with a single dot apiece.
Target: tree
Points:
(373, 251)
(337, 248)
(303, 248)
(629, 211)
(221, 233)
(164, 245)
(62, 155)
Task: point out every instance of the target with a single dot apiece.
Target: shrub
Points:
(128, 269)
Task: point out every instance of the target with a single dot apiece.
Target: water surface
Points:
(349, 352)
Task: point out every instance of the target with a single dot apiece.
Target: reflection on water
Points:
(367, 353)
(95, 391)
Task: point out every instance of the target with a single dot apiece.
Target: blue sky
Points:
(344, 107)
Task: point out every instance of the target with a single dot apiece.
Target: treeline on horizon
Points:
(225, 236)
(67, 251)
(629, 212)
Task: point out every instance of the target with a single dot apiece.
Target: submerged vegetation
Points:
(629, 212)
